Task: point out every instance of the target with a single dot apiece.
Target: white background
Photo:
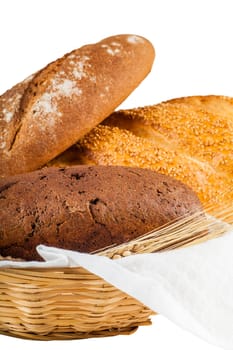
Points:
(194, 55)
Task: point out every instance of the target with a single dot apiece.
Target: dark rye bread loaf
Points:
(86, 208)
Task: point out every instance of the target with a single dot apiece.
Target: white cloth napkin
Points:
(192, 286)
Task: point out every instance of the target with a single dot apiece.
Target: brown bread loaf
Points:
(190, 139)
(86, 208)
(52, 109)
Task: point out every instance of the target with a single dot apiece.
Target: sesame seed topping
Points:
(173, 138)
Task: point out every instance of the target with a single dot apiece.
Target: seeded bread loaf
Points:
(86, 208)
(52, 109)
(190, 139)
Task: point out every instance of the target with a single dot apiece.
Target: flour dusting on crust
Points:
(112, 49)
(9, 106)
(134, 39)
(48, 102)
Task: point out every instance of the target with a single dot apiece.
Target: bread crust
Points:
(190, 139)
(86, 208)
(48, 112)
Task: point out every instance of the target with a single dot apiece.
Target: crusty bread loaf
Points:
(86, 208)
(48, 112)
(190, 139)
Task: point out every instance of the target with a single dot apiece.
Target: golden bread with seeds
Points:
(190, 139)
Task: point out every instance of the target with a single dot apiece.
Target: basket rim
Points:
(179, 233)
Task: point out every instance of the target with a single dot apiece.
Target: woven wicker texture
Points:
(64, 304)
(72, 303)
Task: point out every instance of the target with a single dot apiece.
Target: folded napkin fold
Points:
(191, 286)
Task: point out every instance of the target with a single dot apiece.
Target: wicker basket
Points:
(68, 303)
(65, 304)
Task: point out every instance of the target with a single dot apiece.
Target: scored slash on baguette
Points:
(48, 112)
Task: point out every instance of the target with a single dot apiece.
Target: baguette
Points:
(52, 109)
(190, 139)
(86, 208)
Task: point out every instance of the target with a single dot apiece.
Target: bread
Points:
(52, 109)
(86, 208)
(190, 139)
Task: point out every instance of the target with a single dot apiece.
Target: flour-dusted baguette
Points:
(52, 109)
(86, 208)
(190, 139)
